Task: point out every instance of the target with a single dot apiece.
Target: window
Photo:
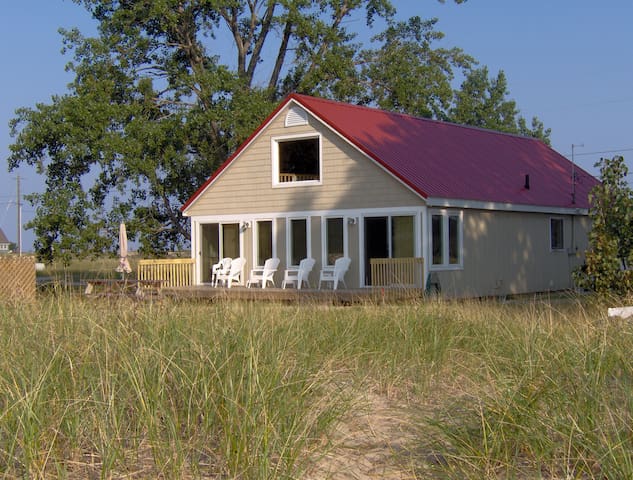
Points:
(298, 240)
(556, 234)
(296, 160)
(446, 239)
(437, 238)
(264, 241)
(402, 237)
(230, 240)
(334, 240)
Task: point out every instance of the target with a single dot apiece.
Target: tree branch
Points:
(257, 50)
(281, 56)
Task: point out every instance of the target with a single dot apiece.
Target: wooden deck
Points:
(291, 295)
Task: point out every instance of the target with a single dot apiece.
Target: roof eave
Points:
(438, 202)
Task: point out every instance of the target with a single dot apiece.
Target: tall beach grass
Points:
(126, 389)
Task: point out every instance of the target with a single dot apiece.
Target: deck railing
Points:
(397, 272)
(174, 272)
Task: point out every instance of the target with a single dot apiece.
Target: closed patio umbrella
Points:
(124, 264)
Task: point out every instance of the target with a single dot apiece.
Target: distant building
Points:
(4, 243)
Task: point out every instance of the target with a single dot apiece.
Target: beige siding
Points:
(506, 253)
(349, 180)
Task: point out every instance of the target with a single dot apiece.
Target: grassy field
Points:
(101, 388)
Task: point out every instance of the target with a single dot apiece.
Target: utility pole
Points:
(19, 204)
(573, 173)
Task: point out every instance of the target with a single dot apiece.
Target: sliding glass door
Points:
(388, 237)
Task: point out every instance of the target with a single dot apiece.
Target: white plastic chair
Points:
(264, 275)
(297, 276)
(234, 275)
(336, 273)
(223, 266)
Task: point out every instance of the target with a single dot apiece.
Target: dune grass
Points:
(126, 389)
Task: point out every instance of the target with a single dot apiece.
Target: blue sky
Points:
(568, 62)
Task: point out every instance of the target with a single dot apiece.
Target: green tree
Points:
(156, 104)
(407, 74)
(154, 108)
(611, 236)
(482, 102)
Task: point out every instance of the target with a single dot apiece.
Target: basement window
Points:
(296, 161)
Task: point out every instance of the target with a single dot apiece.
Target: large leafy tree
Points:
(407, 74)
(482, 102)
(611, 236)
(154, 108)
(169, 88)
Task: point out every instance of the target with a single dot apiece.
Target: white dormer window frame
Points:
(289, 179)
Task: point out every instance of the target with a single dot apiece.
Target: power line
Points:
(630, 149)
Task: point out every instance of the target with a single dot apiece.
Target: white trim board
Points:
(436, 202)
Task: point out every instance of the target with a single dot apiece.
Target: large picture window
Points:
(296, 160)
(446, 239)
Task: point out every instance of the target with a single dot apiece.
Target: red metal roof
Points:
(448, 161)
(445, 160)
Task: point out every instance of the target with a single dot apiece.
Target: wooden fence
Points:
(397, 272)
(177, 272)
(17, 277)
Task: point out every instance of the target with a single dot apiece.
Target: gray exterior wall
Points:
(509, 253)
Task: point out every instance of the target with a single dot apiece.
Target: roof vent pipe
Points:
(527, 182)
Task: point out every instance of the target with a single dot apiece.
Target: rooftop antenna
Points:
(573, 172)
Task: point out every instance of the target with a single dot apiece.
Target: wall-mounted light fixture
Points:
(352, 220)
(245, 226)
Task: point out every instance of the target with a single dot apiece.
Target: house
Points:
(490, 213)
(4, 243)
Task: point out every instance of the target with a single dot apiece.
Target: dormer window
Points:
(296, 160)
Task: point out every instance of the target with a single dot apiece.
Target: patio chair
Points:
(297, 276)
(264, 275)
(234, 275)
(336, 273)
(223, 266)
